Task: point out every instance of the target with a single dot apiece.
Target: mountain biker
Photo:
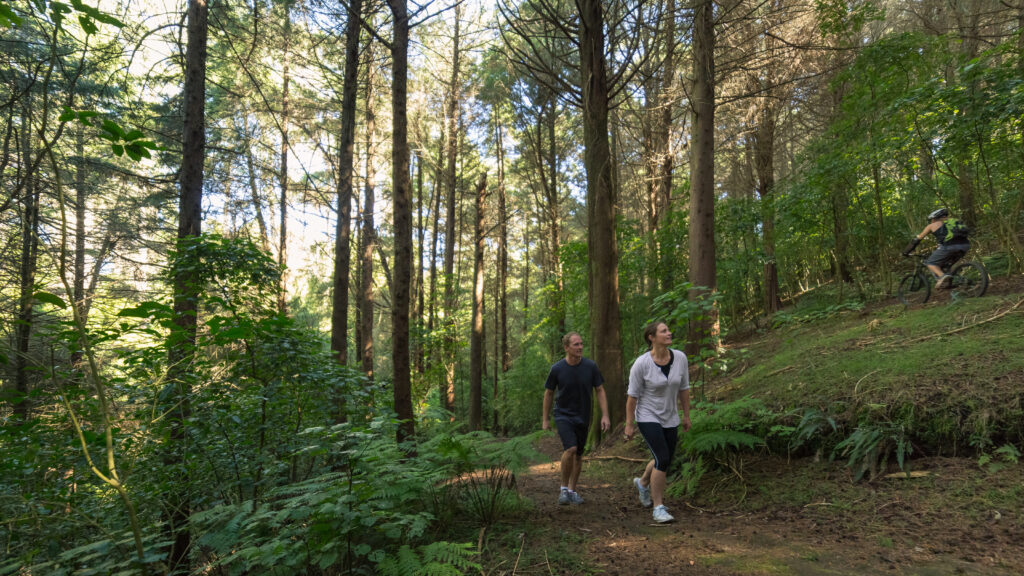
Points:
(951, 234)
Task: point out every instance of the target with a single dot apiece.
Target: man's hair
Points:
(568, 337)
(650, 330)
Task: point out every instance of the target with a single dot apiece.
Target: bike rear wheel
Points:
(970, 280)
(914, 289)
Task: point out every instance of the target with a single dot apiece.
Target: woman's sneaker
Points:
(563, 497)
(575, 498)
(644, 491)
(661, 515)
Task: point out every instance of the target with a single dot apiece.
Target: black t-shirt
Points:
(574, 386)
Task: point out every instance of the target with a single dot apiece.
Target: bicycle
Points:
(969, 280)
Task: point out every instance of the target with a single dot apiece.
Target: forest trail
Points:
(619, 537)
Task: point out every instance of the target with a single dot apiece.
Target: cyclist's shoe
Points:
(945, 282)
(564, 497)
(661, 515)
(644, 491)
(575, 498)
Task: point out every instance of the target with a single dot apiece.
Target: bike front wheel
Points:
(914, 289)
(970, 280)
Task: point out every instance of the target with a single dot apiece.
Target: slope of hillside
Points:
(946, 379)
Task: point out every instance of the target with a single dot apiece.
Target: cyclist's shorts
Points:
(945, 256)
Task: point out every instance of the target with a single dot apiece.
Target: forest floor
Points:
(791, 516)
(942, 523)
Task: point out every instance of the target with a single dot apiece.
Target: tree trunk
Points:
(527, 264)
(282, 254)
(658, 105)
(78, 281)
(702, 195)
(601, 245)
(181, 349)
(402, 273)
(452, 114)
(502, 320)
(555, 221)
(476, 349)
(346, 161)
(764, 147)
(26, 273)
(432, 297)
(419, 292)
(368, 236)
(254, 193)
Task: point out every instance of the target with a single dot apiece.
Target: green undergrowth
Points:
(946, 377)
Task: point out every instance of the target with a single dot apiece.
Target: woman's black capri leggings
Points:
(661, 441)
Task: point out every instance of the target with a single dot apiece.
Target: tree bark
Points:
(26, 273)
(282, 253)
(78, 281)
(702, 194)
(452, 114)
(368, 236)
(432, 297)
(346, 161)
(181, 349)
(764, 147)
(419, 296)
(476, 350)
(402, 385)
(502, 321)
(601, 245)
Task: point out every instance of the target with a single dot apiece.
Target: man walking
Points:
(571, 383)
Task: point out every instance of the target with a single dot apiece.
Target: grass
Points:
(941, 371)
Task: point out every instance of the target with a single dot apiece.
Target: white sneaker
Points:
(661, 515)
(563, 497)
(644, 491)
(575, 498)
(944, 281)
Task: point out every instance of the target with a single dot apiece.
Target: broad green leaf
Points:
(48, 298)
(118, 149)
(114, 129)
(8, 18)
(136, 152)
(87, 24)
(146, 310)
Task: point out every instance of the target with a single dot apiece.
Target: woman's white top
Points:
(656, 393)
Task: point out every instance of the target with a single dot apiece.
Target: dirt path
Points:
(619, 537)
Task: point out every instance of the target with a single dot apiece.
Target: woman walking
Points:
(659, 382)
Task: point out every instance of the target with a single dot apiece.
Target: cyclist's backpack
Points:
(956, 231)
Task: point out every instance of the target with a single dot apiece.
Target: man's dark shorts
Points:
(944, 256)
(572, 434)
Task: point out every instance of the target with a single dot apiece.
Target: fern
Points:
(719, 427)
(719, 434)
(869, 447)
(435, 559)
(1004, 456)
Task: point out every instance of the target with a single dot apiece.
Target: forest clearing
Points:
(290, 287)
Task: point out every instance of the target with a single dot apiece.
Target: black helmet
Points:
(940, 213)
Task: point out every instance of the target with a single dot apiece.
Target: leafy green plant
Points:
(871, 445)
(435, 559)
(814, 426)
(718, 435)
(487, 495)
(1005, 455)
